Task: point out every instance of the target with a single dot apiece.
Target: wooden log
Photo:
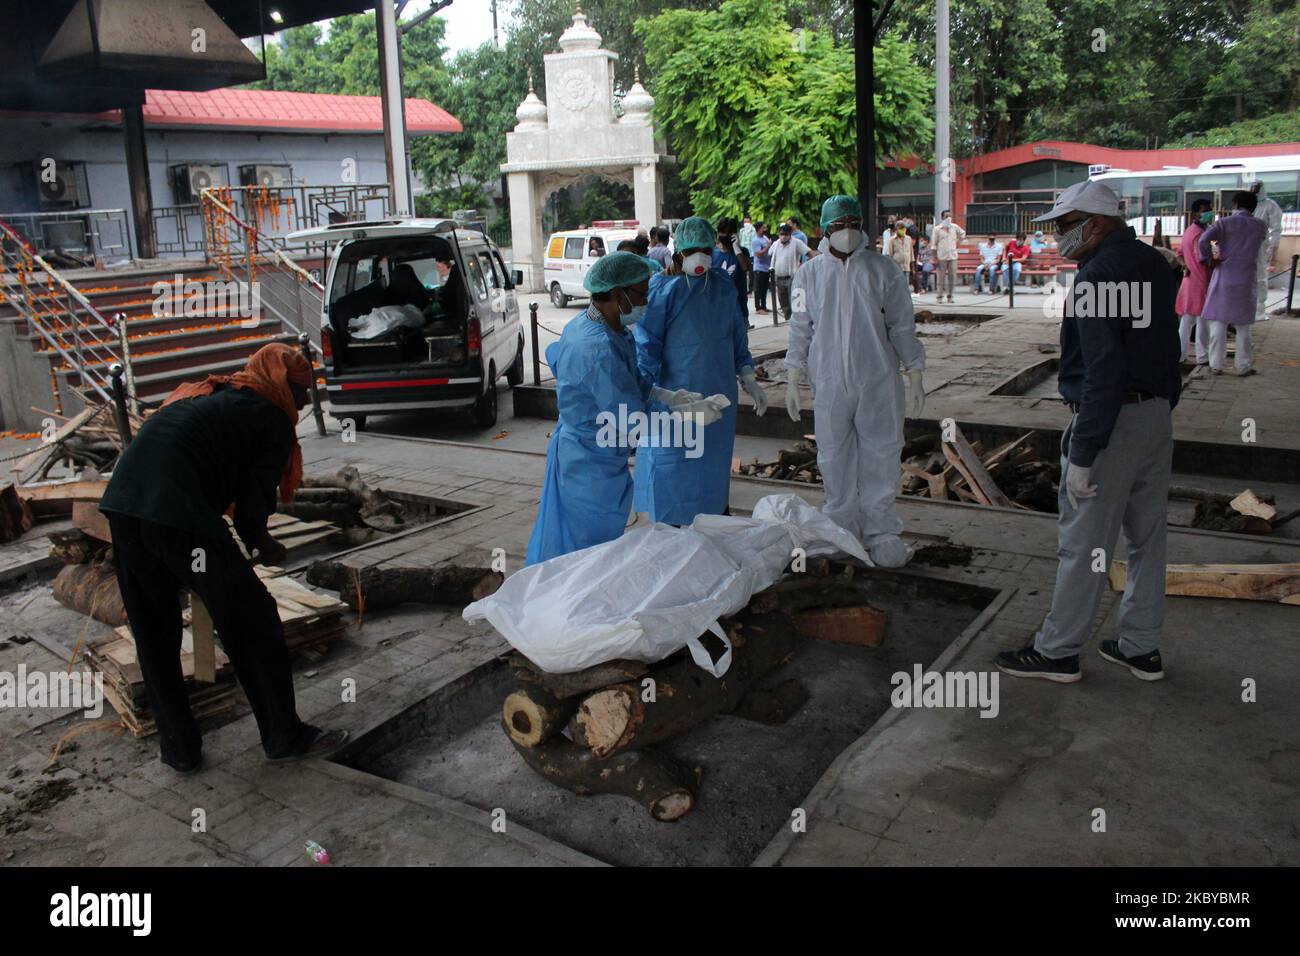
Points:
(326, 496)
(618, 718)
(376, 507)
(1242, 582)
(663, 785)
(91, 589)
(16, 516)
(773, 706)
(75, 546)
(335, 512)
(203, 641)
(532, 715)
(862, 625)
(87, 517)
(563, 686)
(389, 587)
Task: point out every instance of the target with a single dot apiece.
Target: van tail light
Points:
(475, 341)
(327, 343)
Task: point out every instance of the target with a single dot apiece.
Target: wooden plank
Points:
(966, 461)
(204, 637)
(88, 518)
(291, 543)
(1278, 583)
(1005, 452)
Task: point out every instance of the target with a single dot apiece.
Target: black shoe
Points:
(185, 767)
(320, 743)
(1143, 667)
(1027, 662)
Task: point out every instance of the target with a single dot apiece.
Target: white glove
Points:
(749, 382)
(915, 393)
(793, 377)
(674, 397)
(1076, 484)
(709, 409)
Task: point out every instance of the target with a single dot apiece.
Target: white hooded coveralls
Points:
(851, 326)
(1271, 213)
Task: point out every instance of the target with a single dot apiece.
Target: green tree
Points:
(763, 117)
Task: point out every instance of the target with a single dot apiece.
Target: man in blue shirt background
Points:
(733, 259)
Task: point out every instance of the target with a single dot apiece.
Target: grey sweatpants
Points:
(1132, 478)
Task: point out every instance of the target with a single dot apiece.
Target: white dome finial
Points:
(531, 113)
(580, 35)
(638, 104)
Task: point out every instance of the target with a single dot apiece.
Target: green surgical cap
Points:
(616, 271)
(695, 233)
(837, 207)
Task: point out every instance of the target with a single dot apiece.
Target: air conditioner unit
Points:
(272, 176)
(190, 179)
(63, 187)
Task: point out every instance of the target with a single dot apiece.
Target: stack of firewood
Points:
(793, 464)
(598, 730)
(88, 440)
(951, 468)
(345, 500)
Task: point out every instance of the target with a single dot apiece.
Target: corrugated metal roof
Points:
(283, 111)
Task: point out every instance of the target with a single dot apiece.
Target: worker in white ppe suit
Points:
(1271, 213)
(851, 327)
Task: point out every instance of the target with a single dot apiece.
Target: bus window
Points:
(1162, 201)
(1281, 188)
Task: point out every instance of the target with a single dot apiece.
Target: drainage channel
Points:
(451, 743)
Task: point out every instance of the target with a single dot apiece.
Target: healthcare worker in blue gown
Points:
(587, 492)
(694, 335)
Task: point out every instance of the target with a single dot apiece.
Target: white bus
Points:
(1166, 194)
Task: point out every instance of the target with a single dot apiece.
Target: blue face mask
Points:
(1207, 218)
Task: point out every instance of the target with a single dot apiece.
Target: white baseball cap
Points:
(1091, 197)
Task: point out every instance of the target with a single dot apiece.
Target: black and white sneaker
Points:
(1143, 667)
(1027, 662)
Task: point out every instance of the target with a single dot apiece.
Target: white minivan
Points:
(571, 253)
(418, 315)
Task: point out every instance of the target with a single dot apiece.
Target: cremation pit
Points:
(754, 775)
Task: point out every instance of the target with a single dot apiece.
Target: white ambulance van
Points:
(571, 253)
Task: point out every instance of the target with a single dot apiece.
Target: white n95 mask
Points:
(846, 240)
(697, 263)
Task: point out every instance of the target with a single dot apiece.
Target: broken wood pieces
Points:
(1279, 583)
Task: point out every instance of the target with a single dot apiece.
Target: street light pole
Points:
(864, 36)
(942, 118)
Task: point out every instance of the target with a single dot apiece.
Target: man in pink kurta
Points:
(1191, 294)
(1230, 299)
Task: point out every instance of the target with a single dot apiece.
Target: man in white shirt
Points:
(786, 254)
(990, 264)
(946, 236)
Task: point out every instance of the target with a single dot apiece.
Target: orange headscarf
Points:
(270, 372)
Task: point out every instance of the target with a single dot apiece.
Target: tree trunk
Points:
(388, 587)
(15, 514)
(617, 718)
(532, 715)
(664, 786)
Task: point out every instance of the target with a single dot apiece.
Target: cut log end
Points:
(605, 718)
(672, 806)
(531, 715)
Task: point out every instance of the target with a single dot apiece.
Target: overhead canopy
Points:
(87, 56)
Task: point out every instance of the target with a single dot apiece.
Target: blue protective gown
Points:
(587, 492)
(694, 336)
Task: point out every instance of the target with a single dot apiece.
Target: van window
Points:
(505, 273)
(474, 277)
(556, 248)
(495, 279)
(574, 248)
(596, 247)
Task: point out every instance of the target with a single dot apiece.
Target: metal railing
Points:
(84, 236)
(61, 316)
(244, 254)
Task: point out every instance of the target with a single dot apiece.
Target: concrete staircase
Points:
(166, 350)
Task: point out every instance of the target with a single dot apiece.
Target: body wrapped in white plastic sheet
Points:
(656, 589)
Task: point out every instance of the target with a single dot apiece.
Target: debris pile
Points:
(597, 731)
(951, 468)
(1246, 513)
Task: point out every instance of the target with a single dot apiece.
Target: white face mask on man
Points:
(697, 263)
(846, 240)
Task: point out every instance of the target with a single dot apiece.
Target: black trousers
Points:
(761, 282)
(155, 564)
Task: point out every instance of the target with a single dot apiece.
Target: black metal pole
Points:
(1290, 285)
(119, 403)
(304, 342)
(864, 85)
(537, 360)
